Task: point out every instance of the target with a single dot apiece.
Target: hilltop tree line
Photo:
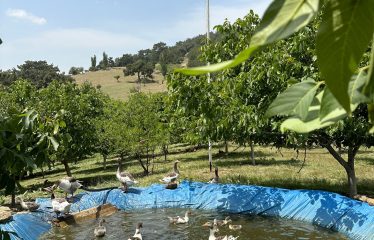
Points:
(143, 63)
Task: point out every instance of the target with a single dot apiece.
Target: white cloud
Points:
(22, 14)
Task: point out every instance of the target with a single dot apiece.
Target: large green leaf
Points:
(295, 100)
(313, 122)
(343, 36)
(281, 19)
(369, 87)
(329, 104)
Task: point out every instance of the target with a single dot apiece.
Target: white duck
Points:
(216, 177)
(101, 229)
(235, 227)
(218, 222)
(172, 177)
(180, 220)
(30, 206)
(125, 178)
(59, 205)
(212, 232)
(137, 235)
(68, 184)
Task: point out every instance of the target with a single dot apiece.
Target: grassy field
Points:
(121, 89)
(321, 171)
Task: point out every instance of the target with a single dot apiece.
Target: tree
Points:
(117, 77)
(40, 73)
(125, 60)
(141, 68)
(104, 64)
(25, 142)
(93, 63)
(82, 105)
(76, 70)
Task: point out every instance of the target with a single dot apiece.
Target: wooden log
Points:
(91, 213)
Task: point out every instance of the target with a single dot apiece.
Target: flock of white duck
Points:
(69, 185)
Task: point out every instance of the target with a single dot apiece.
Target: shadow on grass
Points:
(366, 159)
(364, 185)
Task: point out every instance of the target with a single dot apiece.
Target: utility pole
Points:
(208, 76)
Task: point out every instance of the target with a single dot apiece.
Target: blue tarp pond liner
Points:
(330, 210)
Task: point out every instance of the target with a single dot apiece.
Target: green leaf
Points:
(369, 87)
(55, 129)
(281, 19)
(343, 36)
(54, 143)
(329, 104)
(294, 100)
(371, 113)
(313, 121)
(241, 57)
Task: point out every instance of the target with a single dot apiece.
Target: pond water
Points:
(121, 225)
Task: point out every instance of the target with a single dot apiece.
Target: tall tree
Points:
(93, 63)
(40, 73)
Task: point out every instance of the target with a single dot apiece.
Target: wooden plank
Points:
(91, 213)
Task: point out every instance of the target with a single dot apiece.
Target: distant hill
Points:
(121, 89)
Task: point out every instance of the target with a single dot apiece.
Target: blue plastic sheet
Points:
(330, 210)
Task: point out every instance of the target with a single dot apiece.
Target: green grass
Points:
(321, 171)
(121, 89)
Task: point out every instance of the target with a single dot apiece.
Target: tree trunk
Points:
(252, 153)
(104, 162)
(13, 200)
(351, 173)
(226, 147)
(165, 150)
(348, 166)
(142, 164)
(67, 168)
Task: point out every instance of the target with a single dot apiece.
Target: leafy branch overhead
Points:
(344, 35)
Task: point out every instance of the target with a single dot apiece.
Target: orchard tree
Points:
(25, 142)
(82, 105)
(76, 70)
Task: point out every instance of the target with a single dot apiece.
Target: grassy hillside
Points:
(121, 89)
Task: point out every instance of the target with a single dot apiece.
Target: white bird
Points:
(216, 177)
(212, 234)
(101, 229)
(125, 178)
(59, 205)
(218, 222)
(68, 184)
(180, 220)
(30, 206)
(172, 177)
(235, 227)
(137, 235)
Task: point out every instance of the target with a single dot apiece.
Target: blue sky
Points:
(68, 32)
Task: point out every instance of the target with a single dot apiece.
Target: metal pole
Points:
(208, 76)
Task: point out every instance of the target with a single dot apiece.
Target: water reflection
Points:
(156, 227)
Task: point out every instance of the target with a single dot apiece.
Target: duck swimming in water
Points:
(218, 222)
(125, 178)
(137, 235)
(100, 230)
(212, 234)
(235, 227)
(180, 220)
(172, 177)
